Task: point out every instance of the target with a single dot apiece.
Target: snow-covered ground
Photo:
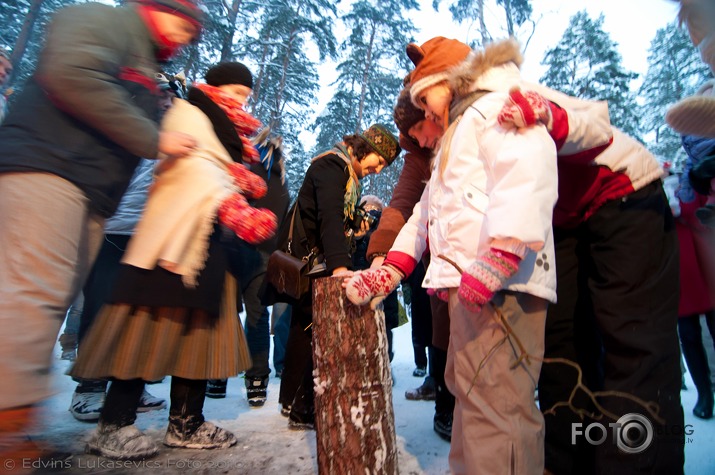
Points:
(266, 446)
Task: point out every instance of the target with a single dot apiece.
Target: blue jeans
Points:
(249, 266)
(281, 328)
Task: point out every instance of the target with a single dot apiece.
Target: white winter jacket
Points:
(498, 189)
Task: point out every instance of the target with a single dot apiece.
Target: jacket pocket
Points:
(476, 198)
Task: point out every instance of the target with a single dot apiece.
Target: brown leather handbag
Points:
(289, 274)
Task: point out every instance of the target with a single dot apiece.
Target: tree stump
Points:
(354, 419)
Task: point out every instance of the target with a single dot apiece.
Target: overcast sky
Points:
(630, 23)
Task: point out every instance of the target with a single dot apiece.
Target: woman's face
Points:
(426, 133)
(371, 164)
(239, 92)
(434, 101)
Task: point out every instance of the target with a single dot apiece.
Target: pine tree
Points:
(516, 14)
(22, 26)
(371, 72)
(675, 71)
(288, 35)
(586, 64)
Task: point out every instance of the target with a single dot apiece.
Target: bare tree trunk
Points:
(355, 422)
(366, 73)
(509, 17)
(227, 43)
(18, 51)
(275, 117)
(257, 92)
(482, 24)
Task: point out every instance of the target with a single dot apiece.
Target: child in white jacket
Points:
(486, 214)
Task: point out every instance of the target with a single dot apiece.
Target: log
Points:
(354, 418)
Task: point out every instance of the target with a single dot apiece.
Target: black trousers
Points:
(691, 337)
(297, 378)
(618, 290)
(187, 402)
(421, 316)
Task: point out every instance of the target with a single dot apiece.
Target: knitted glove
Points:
(253, 225)
(251, 185)
(485, 277)
(524, 109)
(372, 285)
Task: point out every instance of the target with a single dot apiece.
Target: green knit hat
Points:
(382, 142)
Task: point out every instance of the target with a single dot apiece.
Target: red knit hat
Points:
(432, 61)
(190, 10)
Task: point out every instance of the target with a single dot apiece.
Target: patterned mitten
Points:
(372, 285)
(485, 277)
(253, 225)
(251, 185)
(524, 109)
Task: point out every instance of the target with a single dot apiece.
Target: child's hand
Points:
(524, 109)
(486, 276)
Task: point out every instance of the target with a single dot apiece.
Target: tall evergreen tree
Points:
(675, 71)
(289, 34)
(371, 70)
(586, 63)
(516, 14)
(370, 76)
(22, 26)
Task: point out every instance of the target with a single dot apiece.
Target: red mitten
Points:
(251, 185)
(485, 277)
(372, 285)
(253, 225)
(524, 109)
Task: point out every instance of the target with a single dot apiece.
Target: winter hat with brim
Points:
(188, 9)
(381, 140)
(4, 53)
(432, 61)
(229, 73)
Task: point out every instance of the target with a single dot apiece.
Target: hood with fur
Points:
(464, 77)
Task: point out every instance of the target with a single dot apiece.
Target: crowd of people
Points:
(538, 240)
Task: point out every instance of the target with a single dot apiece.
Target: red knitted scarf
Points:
(246, 125)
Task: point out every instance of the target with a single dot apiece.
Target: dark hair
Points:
(360, 147)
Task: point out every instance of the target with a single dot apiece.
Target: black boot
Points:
(444, 401)
(187, 427)
(691, 340)
(704, 407)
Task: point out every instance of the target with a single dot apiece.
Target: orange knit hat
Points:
(432, 61)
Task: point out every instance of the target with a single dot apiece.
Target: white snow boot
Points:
(122, 443)
(206, 436)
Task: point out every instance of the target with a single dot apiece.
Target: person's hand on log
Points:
(372, 285)
(342, 271)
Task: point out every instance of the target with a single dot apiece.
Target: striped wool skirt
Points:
(139, 342)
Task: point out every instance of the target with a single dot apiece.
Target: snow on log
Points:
(354, 419)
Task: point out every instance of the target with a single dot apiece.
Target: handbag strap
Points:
(301, 231)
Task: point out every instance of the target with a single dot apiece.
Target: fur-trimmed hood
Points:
(464, 78)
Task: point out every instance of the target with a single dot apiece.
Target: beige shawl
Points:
(181, 209)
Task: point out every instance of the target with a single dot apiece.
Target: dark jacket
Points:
(321, 199)
(90, 110)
